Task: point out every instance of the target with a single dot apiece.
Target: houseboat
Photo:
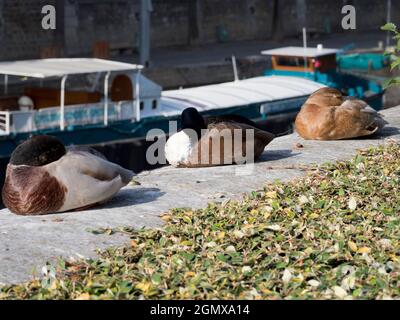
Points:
(122, 103)
(321, 65)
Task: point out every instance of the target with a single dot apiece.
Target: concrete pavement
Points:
(27, 243)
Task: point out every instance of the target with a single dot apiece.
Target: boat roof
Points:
(300, 52)
(239, 93)
(47, 68)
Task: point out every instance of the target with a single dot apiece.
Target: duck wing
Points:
(227, 143)
(96, 167)
(370, 120)
(353, 118)
(262, 135)
(88, 178)
(209, 120)
(374, 118)
(86, 149)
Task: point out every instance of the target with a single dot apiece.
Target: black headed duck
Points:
(216, 140)
(326, 115)
(43, 177)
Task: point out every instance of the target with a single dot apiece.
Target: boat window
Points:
(50, 97)
(154, 106)
(290, 61)
(141, 105)
(121, 88)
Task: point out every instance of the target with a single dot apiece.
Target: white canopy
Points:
(239, 93)
(46, 68)
(300, 52)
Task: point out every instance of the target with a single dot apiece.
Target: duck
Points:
(44, 177)
(327, 115)
(202, 140)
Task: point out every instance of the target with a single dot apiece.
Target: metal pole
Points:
(62, 103)
(5, 84)
(145, 8)
(137, 95)
(305, 48)
(388, 18)
(235, 70)
(301, 9)
(106, 98)
(8, 122)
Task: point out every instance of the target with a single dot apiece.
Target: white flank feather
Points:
(178, 148)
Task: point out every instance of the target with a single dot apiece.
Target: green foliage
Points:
(391, 27)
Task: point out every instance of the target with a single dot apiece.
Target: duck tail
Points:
(380, 122)
(266, 136)
(377, 120)
(126, 175)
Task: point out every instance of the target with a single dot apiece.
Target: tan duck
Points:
(326, 115)
(218, 140)
(43, 177)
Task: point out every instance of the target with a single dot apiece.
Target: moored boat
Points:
(128, 105)
(321, 65)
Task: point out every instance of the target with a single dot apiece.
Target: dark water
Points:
(132, 154)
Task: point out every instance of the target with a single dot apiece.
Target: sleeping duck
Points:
(43, 177)
(326, 115)
(217, 140)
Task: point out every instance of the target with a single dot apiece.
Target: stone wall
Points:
(81, 23)
(242, 20)
(325, 16)
(21, 33)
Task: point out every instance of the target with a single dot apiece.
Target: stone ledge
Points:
(29, 242)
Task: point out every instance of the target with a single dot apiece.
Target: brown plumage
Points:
(210, 149)
(326, 115)
(217, 140)
(30, 190)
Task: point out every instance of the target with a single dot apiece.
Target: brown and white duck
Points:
(327, 115)
(216, 140)
(43, 177)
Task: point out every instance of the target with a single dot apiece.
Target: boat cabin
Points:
(117, 91)
(298, 59)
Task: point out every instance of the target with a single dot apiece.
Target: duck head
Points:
(38, 151)
(326, 97)
(192, 119)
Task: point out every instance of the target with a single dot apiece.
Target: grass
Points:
(333, 234)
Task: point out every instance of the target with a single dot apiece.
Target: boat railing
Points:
(85, 114)
(5, 121)
(74, 115)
